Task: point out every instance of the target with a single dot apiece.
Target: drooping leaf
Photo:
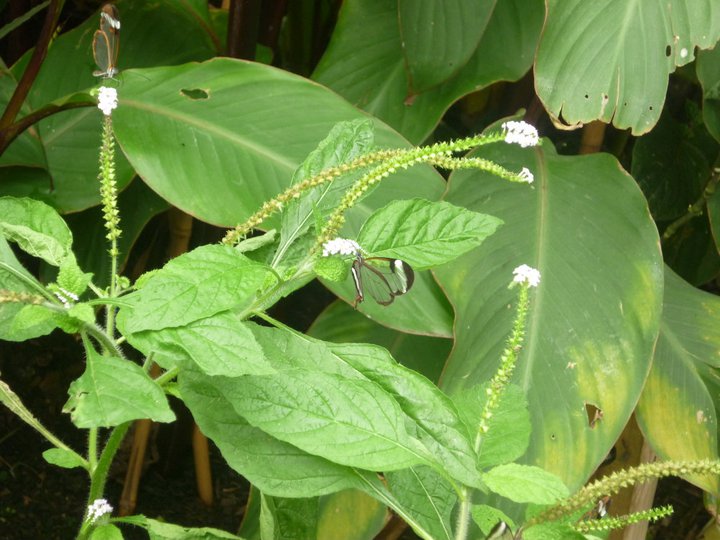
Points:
(679, 405)
(439, 427)
(610, 61)
(274, 466)
(36, 228)
(364, 61)
(349, 421)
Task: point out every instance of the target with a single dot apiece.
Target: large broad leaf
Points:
(439, 37)
(594, 317)
(257, 124)
(611, 60)
(68, 141)
(232, 127)
(364, 61)
(679, 405)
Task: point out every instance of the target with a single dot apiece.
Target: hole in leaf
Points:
(594, 414)
(195, 93)
(668, 51)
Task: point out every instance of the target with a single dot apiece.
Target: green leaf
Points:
(427, 496)
(439, 38)
(438, 425)
(364, 61)
(426, 410)
(595, 316)
(424, 233)
(679, 405)
(345, 142)
(159, 530)
(525, 484)
(108, 531)
(36, 228)
(13, 324)
(288, 519)
(625, 79)
(275, 467)
(508, 428)
(72, 278)
(351, 515)
(113, 391)
(67, 459)
(195, 285)
(340, 323)
(219, 345)
(349, 421)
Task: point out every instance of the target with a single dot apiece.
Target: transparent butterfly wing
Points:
(382, 278)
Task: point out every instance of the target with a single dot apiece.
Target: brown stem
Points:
(14, 130)
(243, 20)
(31, 71)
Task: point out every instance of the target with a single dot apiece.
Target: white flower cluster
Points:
(526, 274)
(97, 509)
(340, 246)
(526, 176)
(107, 100)
(520, 133)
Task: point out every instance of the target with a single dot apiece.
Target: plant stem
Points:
(697, 208)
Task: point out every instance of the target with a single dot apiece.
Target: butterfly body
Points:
(382, 277)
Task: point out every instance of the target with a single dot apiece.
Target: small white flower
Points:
(520, 133)
(107, 100)
(97, 509)
(526, 274)
(340, 246)
(526, 176)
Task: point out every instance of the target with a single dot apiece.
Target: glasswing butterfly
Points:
(106, 42)
(382, 277)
